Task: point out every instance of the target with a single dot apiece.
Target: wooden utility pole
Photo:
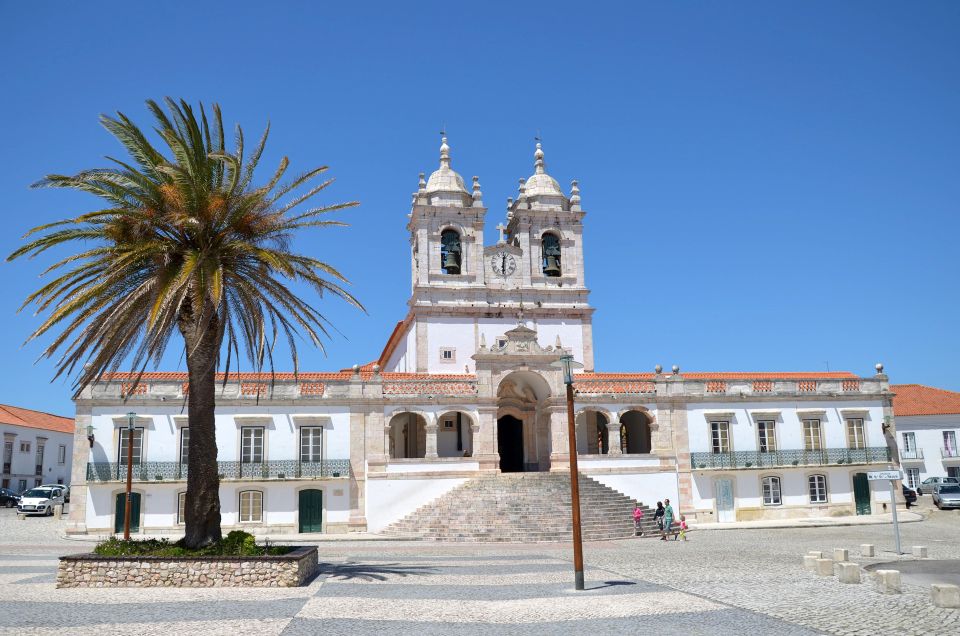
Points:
(131, 418)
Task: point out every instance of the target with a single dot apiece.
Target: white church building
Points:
(465, 388)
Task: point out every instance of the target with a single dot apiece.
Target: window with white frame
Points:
(766, 436)
(62, 454)
(181, 506)
(137, 445)
(311, 444)
(913, 477)
(855, 433)
(184, 445)
(909, 446)
(24, 447)
(448, 354)
(817, 487)
(771, 491)
(251, 445)
(812, 441)
(720, 437)
(251, 506)
(949, 444)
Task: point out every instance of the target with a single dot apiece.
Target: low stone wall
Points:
(93, 570)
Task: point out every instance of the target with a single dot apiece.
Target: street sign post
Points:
(892, 476)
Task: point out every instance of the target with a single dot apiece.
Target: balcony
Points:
(950, 456)
(277, 469)
(788, 458)
(914, 456)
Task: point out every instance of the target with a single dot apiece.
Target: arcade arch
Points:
(635, 437)
(408, 436)
(523, 435)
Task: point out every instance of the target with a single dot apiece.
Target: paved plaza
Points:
(719, 582)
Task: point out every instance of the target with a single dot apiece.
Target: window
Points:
(767, 438)
(720, 437)
(39, 462)
(771, 491)
(24, 447)
(448, 354)
(7, 456)
(60, 480)
(909, 446)
(817, 486)
(501, 343)
(184, 445)
(62, 454)
(37, 482)
(251, 444)
(913, 477)
(551, 255)
(311, 444)
(5, 484)
(251, 506)
(22, 485)
(137, 445)
(949, 444)
(181, 506)
(855, 433)
(811, 435)
(450, 252)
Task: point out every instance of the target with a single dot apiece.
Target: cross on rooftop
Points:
(501, 228)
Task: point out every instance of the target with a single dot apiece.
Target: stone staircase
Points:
(522, 507)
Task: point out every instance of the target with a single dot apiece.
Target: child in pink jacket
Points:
(637, 519)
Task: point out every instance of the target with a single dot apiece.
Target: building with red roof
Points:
(37, 448)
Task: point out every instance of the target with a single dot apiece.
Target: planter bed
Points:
(93, 570)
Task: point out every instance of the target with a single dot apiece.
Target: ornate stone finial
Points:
(422, 184)
(676, 369)
(538, 160)
(483, 341)
(356, 369)
(376, 369)
(558, 345)
(658, 369)
(509, 202)
(477, 195)
(522, 187)
(879, 367)
(444, 152)
(574, 192)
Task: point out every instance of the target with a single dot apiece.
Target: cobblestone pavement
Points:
(722, 582)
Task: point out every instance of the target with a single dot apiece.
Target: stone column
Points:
(485, 439)
(613, 436)
(559, 442)
(357, 522)
(431, 449)
(77, 518)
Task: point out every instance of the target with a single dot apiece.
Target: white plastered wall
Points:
(390, 500)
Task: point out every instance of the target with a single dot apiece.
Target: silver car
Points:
(930, 484)
(40, 501)
(947, 496)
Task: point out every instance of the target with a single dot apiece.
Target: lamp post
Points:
(131, 418)
(567, 363)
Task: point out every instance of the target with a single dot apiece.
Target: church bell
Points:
(553, 267)
(451, 263)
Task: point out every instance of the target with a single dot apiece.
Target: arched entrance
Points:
(408, 436)
(593, 435)
(454, 435)
(635, 433)
(523, 436)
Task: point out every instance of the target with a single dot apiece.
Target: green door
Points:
(861, 493)
(311, 510)
(134, 512)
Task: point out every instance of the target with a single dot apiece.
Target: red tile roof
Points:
(726, 375)
(17, 416)
(918, 399)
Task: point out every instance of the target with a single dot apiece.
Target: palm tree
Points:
(186, 243)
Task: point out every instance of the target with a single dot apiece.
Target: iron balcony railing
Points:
(787, 458)
(911, 454)
(175, 471)
(949, 453)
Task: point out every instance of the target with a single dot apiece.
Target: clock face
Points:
(503, 264)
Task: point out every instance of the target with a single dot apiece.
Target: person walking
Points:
(658, 516)
(683, 528)
(638, 520)
(667, 519)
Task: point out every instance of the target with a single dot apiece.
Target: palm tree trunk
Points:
(202, 505)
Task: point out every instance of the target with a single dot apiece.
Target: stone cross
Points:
(501, 228)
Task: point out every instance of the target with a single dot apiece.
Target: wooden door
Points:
(725, 508)
(311, 510)
(134, 512)
(861, 493)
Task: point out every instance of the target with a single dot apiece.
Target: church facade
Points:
(466, 385)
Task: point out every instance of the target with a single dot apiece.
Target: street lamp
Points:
(568, 364)
(131, 419)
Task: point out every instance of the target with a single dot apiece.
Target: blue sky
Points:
(769, 186)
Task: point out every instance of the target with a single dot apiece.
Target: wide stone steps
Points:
(522, 507)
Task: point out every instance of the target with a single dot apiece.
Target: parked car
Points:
(947, 496)
(909, 496)
(8, 498)
(930, 484)
(40, 501)
(65, 489)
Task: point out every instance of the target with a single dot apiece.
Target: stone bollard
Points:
(866, 550)
(21, 516)
(920, 551)
(810, 562)
(825, 567)
(945, 595)
(816, 553)
(887, 581)
(848, 572)
(840, 555)
(58, 511)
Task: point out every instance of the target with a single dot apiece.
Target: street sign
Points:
(881, 475)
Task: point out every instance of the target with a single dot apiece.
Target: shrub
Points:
(237, 543)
